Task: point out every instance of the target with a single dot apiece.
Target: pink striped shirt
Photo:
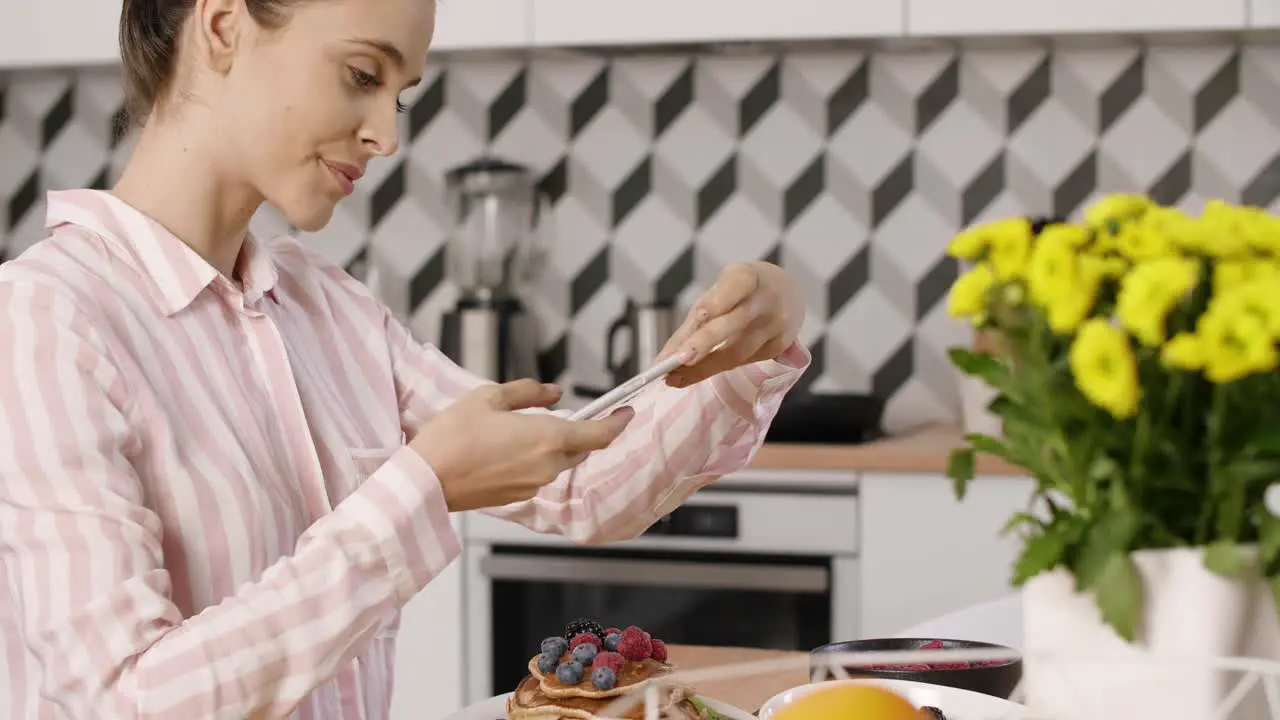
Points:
(207, 508)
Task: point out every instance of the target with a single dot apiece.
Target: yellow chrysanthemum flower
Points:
(1064, 283)
(1117, 208)
(1184, 351)
(1223, 230)
(1235, 345)
(1229, 274)
(1150, 291)
(1171, 229)
(1052, 268)
(1012, 234)
(970, 292)
(1105, 369)
(1259, 297)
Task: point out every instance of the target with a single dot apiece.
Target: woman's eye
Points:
(363, 79)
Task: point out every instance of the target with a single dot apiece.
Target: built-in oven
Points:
(761, 559)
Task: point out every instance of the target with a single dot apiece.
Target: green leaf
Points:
(1041, 553)
(1012, 412)
(981, 365)
(1118, 593)
(1269, 541)
(1248, 472)
(988, 445)
(1110, 535)
(1274, 583)
(1103, 468)
(960, 468)
(1019, 519)
(1224, 558)
(1264, 440)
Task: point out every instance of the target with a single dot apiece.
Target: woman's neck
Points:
(177, 177)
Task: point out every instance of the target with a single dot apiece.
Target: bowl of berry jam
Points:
(997, 678)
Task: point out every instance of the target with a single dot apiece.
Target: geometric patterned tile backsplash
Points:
(851, 169)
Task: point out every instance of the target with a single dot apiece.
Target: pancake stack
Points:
(577, 675)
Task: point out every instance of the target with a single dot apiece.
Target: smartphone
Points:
(628, 389)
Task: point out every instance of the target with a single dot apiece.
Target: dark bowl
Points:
(996, 680)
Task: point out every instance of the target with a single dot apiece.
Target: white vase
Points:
(1188, 613)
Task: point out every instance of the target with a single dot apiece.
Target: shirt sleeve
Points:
(679, 441)
(82, 552)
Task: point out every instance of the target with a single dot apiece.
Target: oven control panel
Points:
(698, 521)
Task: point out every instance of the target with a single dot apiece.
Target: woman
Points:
(223, 466)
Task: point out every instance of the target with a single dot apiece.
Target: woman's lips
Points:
(345, 175)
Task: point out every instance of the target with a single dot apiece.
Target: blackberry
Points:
(577, 627)
(933, 713)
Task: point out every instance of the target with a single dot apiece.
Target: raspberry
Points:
(635, 644)
(611, 631)
(659, 651)
(581, 638)
(611, 660)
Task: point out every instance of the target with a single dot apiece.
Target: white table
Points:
(996, 621)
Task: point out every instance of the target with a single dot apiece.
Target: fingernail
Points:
(626, 410)
(552, 388)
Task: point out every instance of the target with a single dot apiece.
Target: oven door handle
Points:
(665, 573)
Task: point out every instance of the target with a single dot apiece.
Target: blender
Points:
(494, 253)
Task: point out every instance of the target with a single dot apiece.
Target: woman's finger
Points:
(682, 334)
(717, 330)
(737, 283)
(741, 350)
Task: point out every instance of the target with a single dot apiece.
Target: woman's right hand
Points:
(486, 455)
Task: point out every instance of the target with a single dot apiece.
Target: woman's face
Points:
(304, 107)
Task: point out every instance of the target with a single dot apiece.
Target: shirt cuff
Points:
(416, 538)
(752, 392)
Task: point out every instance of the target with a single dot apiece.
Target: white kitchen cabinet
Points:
(1264, 14)
(1065, 17)
(627, 22)
(63, 33)
(925, 554)
(55, 33)
(430, 658)
(481, 24)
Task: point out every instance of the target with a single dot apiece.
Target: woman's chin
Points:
(311, 218)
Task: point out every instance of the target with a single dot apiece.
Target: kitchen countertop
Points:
(920, 451)
(746, 693)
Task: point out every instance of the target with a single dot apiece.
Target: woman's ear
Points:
(219, 31)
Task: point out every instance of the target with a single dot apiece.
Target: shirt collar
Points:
(178, 274)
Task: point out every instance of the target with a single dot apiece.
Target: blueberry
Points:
(547, 663)
(569, 672)
(604, 678)
(555, 645)
(585, 653)
(611, 642)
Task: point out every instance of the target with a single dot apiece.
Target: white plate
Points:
(495, 708)
(954, 703)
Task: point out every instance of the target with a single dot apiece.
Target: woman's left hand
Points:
(754, 309)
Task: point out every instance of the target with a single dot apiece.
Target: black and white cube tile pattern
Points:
(850, 169)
